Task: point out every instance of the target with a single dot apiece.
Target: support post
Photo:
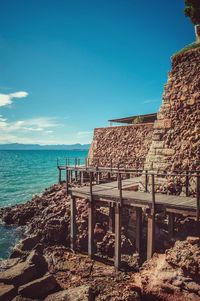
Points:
(150, 236)
(111, 218)
(187, 184)
(73, 223)
(151, 223)
(117, 236)
(171, 224)
(146, 180)
(198, 194)
(138, 230)
(91, 222)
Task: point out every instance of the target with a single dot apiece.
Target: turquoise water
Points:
(24, 173)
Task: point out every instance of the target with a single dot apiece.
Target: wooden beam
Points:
(73, 223)
(117, 236)
(150, 235)
(198, 195)
(171, 218)
(111, 218)
(91, 222)
(138, 230)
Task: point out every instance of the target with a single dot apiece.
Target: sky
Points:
(68, 66)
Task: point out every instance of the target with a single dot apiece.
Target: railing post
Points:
(86, 162)
(187, 184)
(146, 180)
(198, 194)
(59, 176)
(67, 180)
(120, 187)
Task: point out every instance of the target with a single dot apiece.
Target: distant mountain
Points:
(19, 146)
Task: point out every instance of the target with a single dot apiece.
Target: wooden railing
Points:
(76, 171)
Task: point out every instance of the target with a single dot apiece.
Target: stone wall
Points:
(129, 144)
(176, 135)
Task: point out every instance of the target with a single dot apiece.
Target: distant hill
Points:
(19, 146)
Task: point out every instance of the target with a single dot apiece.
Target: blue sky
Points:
(67, 66)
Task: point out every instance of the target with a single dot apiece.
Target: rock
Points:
(19, 274)
(39, 261)
(193, 240)
(17, 252)
(8, 263)
(7, 292)
(80, 293)
(192, 287)
(19, 298)
(39, 288)
(28, 243)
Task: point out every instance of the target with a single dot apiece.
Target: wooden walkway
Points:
(109, 192)
(121, 192)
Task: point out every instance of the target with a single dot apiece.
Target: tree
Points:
(192, 10)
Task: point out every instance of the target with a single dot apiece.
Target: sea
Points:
(23, 174)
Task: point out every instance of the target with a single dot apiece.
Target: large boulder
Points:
(7, 292)
(8, 263)
(39, 288)
(80, 293)
(19, 274)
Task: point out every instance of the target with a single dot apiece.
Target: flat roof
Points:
(141, 119)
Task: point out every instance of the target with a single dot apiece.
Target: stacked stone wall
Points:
(128, 145)
(176, 135)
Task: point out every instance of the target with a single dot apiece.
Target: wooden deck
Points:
(122, 192)
(109, 192)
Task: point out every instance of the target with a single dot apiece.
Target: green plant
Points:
(192, 10)
(138, 119)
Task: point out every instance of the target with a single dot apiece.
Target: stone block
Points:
(160, 166)
(157, 158)
(157, 144)
(165, 151)
(163, 124)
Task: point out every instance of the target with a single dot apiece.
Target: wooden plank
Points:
(91, 222)
(73, 223)
(150, 235)
(138, 230)
(117, 236)
(111, 218)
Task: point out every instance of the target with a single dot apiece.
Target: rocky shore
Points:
(42, 266)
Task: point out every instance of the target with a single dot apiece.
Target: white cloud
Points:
(84, 134)
(7, 99)
(42, 124)
(149, 101)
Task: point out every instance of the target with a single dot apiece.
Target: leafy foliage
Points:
(192, 10)
(187, 48)
(138, 120)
